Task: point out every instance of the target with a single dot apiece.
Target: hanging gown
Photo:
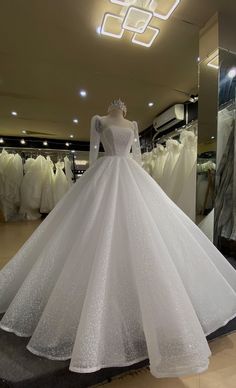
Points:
(182, 185)
(47, 198)
(4, 157)
(68, 171)
(117, 273)
(61, 184)
(12, 174)
(146, 162)
(173, 152)
(31, 187)
(161, 154)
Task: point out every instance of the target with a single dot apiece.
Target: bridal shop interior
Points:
(172, 65)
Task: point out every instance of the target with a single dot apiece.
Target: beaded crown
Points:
(118, 104)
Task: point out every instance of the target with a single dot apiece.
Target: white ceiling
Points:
(50, 50)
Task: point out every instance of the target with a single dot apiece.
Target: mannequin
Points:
(116, 116)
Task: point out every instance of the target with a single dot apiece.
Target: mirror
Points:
(225, 205)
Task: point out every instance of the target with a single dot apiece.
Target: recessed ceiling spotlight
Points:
(67, 144)
(75, 121)
(22, 141)
(83, 93)
(232, 73)
(14, 113)
(1, 140)
(73, 151)
(150, 104)
(45, 143)
(212, 137)
(71, 136)
(23, 131)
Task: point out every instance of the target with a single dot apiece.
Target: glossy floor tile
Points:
(12, 237)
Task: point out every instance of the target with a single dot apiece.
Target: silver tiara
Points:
(118, 104)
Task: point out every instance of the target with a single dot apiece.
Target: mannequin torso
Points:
(115, 117)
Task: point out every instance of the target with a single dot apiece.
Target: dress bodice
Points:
(117, 141)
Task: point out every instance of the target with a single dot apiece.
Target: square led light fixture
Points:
(137, 20)
(112, 26)
(147, 38)
(125, 3)
(162, 12)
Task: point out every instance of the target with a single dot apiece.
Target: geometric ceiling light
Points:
(136, 20)
(125, 3)
(135, 16)
(147, 38)
(112, 26)
(163, 9)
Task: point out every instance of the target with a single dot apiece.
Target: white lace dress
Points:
(117, 273)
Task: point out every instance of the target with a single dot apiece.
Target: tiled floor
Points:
(12, 237)
(222, 370)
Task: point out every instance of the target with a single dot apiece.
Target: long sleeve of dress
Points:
(136, 150)
(94, 139)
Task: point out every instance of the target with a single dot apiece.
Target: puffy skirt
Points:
(117, 273)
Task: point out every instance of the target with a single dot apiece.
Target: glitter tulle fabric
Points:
(118, 273)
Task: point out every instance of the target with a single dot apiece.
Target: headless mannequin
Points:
(116, 117)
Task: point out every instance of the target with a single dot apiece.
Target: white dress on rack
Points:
(47, 198)
(12, 175)
(161, 154)
(182, 186)
(61, 184)
(31, 187)
(173, 148)
(68, 171)
(117, 273)
(146, 162)
(4, 157)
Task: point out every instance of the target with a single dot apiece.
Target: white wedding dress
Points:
(61, 184)
(117, 273)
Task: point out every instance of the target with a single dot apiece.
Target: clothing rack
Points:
(175, 133)
(55, 154)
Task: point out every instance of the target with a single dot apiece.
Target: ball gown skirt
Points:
(117, 273)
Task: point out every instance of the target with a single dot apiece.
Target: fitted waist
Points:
(118, 155)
